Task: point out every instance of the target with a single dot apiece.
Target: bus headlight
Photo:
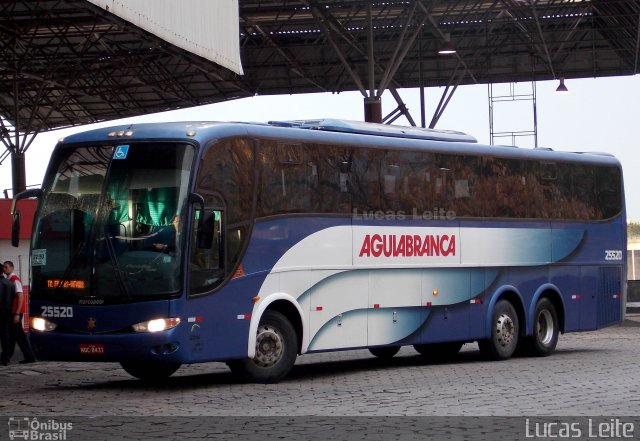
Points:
(157, 325)
(42, 325)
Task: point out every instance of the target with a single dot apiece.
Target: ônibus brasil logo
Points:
(408, 245)
(33, 429)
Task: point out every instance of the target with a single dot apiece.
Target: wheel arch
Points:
(551, 292)
(510, 293)
(286, 305)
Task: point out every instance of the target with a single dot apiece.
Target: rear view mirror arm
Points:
(15, 213)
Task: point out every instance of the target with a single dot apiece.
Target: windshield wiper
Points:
(122, 283)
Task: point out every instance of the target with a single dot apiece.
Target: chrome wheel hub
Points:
(505, 330)
(544, 327)
(269, 346)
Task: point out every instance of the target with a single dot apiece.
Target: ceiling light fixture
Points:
(447, 48)
(562, 88)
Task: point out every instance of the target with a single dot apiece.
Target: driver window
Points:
(206, 267)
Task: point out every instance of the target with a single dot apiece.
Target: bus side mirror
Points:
(15, 229)
(15, 224)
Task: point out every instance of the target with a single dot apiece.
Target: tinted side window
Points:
(564, 204)
(608, 197)
(366, 170)
(319, 178)
(304, 178)
(407, 181)
(334, 177)
(583, 193)
(288, 180)
(226, 181)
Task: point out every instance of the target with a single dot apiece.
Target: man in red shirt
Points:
(16, 332)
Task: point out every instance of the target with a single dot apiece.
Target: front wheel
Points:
(504, 332)
(150, 371)
(276, 351)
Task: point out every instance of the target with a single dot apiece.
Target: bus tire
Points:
(384, 352)
(149, 371)
(546, 330)
(276, 351)
(439, 351)
(505, 329)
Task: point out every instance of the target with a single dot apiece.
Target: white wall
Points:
(208, 28)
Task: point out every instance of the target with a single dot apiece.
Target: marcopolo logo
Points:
(34, 429)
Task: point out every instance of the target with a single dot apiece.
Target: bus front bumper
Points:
(160, 347)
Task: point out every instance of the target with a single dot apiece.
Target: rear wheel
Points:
(439, 351)
(546, 330)
(505, 329)
(385, 352)
(276, 351)
(150, 371)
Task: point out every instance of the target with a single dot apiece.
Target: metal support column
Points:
(18, 171)
(372, 103)
(373, 109)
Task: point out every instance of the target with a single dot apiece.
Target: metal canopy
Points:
(297, 46)
(70, 62)
(77, 63)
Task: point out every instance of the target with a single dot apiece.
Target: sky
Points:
(598, 115)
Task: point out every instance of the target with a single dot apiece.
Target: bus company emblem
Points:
(91, 323)
(408, 245)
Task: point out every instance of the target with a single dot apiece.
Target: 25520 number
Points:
(57, 311)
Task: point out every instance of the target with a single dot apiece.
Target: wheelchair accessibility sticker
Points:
(121, 152)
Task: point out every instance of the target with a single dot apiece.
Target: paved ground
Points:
(594, 373)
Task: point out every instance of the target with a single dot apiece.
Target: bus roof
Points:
(335, 131)
(364, 128)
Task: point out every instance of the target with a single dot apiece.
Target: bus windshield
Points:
(110, 224)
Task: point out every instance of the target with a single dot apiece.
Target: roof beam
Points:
(295, 66)
(329, 33)
(399, 55)
(541, 35)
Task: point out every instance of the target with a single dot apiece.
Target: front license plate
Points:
(92, 349)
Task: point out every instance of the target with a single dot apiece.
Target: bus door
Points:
(206, 259)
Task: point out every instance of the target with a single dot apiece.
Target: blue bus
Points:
(157, 245)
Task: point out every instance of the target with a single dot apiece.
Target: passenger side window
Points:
(226, 180)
